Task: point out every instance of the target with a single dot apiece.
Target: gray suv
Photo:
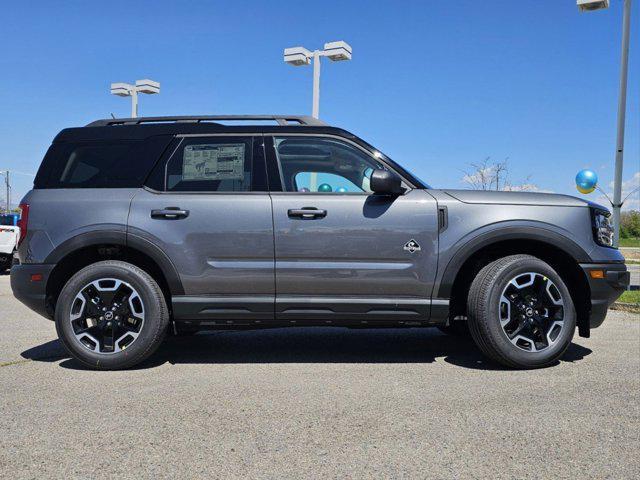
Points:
(140, 227)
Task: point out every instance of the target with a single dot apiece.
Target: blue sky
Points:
(434, 84)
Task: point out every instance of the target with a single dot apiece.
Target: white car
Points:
(9, 236)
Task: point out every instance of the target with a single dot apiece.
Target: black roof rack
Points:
(280, 119)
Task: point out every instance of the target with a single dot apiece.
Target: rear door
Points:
(343, 253)
(207, 208)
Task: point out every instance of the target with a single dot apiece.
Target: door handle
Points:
(307, 213)
(170, 213)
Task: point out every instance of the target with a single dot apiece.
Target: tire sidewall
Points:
(516, 354)
(6, 262)
(152, 315)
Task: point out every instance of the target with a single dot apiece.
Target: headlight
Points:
(602, 227)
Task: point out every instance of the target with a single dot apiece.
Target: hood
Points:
(492, 197)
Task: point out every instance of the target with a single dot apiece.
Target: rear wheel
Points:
(5, 262)
(520, 312)
(111, 315)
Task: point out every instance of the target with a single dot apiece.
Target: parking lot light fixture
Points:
(145, 86)
(588, 5)
(300, 56)
(297, 56)
(337, 51)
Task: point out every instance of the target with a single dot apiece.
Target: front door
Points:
(344, 254)
(210, 212)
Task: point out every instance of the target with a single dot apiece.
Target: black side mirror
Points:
(385, 182)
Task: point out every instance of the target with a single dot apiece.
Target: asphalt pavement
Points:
(318, 403)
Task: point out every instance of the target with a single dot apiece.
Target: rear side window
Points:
(112, 164)
(212, 164)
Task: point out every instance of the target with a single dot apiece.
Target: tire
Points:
(5, 262)
(488, 308)
(140, 295)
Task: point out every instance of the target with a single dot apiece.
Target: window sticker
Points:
(213, 162)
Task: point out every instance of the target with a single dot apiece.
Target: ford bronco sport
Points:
(139, 227)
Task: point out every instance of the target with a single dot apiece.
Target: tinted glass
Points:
(113, 164)
(324, 165)
(211, 164)
(10, 219)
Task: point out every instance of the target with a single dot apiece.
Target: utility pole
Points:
(8, 183)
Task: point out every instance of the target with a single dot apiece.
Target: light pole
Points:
(586, 5)
(300, 56)
(127, 90)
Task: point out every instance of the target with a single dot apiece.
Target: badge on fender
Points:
(412, 246)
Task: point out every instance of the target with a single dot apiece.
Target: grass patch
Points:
(630, 242)
(14, 362)
(630, 296)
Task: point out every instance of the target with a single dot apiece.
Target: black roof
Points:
(143, 127)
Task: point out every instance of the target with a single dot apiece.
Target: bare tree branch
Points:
(488, 175)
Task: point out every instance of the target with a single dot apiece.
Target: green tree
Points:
(630, 224)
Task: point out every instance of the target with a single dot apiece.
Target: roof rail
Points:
(280, 119)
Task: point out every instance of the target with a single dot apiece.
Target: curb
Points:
(626, 307)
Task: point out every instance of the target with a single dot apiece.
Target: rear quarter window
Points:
(99, 164)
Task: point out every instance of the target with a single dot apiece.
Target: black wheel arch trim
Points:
(122, 238)
(468, 249)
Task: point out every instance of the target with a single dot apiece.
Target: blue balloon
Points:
(341, 190)
(586, 181)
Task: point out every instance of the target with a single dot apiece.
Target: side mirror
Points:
(385, 183)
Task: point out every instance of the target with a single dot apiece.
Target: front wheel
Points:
(520, 312)
(111, 315)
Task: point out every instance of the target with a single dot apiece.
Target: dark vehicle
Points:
(139, 227)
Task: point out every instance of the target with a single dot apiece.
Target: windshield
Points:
(8, 220)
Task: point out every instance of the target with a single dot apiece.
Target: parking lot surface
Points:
(317, 403)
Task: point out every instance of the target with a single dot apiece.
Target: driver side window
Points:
(323, 165)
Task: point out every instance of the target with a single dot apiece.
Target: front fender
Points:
(467, 247)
